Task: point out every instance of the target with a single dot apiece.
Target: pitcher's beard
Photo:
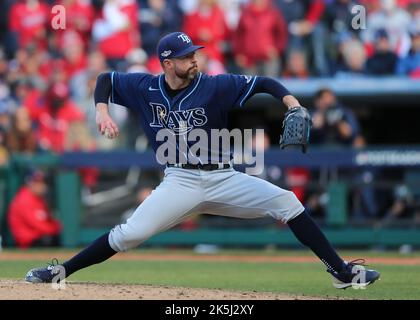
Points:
(187, 75)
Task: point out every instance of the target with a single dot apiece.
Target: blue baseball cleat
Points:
(355, 275)
(45, 274)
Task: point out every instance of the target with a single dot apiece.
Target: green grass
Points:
(239, 252)
(398, 282)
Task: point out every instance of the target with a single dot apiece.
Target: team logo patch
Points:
(166, 53)
(184, 38)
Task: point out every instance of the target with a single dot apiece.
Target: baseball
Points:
(108, 134)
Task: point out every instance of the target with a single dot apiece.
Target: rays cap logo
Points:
(175, 45)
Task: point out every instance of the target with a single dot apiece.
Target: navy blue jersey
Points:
(204, 104)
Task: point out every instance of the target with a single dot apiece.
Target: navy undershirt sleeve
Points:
(103, 88)
(270, 86)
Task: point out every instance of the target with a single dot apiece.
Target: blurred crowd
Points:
(48, 74)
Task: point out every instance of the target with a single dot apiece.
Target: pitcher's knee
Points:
(123, 238)
(287, 207)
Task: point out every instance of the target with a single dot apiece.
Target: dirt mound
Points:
(21, 290)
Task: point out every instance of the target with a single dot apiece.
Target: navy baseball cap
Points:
(381, 34)
(175, 45)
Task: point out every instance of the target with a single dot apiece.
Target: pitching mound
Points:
(21, 290)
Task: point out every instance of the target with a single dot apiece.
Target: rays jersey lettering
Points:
(180, 121)
(204, 104)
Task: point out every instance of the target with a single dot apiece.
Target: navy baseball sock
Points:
(97, 252)
(308, 233)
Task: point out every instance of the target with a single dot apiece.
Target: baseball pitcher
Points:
(177, 102)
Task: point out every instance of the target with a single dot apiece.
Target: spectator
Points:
(297, 179)
(31, 66)
(118, 31)
(207, 65)
(157, 18)
(3, 65)
(62, 128)
(339, 17)
(30, 219)
(296, 65)
(414, 10)
(82, 86)
(306, 30)
(383, 61)
(6, 39)
(21, 138)
(395, 21)
(79, 84)
(188, 6)
(333, 123)
(79, 18)
(410, 65)
(29, 23)
(232, 11)
(5, 112)
(7, 103)
(20, 89)
(260, 39)
(354, 59)
(56, 117)
(4, 153)
(336, 125)
(403, 205)
(136, 61)
(66, 64)
(207, 26)
(74, 58)
(32, 99)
